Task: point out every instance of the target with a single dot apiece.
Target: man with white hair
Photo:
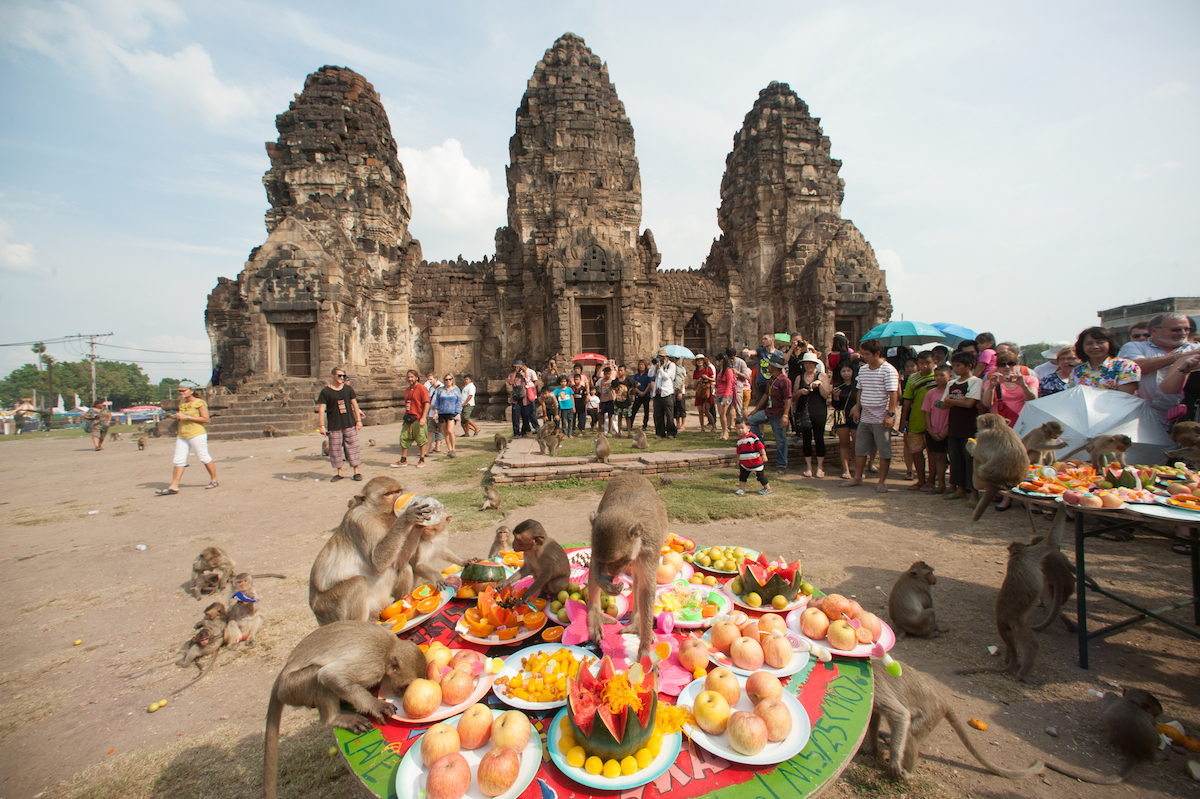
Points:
(1168, 343)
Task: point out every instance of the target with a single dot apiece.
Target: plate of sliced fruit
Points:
(501, 617)
(424, 601)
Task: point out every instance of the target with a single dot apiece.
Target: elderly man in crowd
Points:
(1168, 344)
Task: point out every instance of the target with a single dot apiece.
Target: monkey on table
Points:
(1104, 450)
(433, 541)
(340, 662)
(1019, 593)
(545, 560)
(913, 708)
(1043, 441)
(355, 573)
(910, 604)
(628, 531)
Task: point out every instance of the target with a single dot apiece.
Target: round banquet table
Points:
(837, 696)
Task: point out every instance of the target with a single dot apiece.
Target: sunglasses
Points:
(1139, 336)
(343, 377)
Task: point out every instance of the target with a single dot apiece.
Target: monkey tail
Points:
(199, 676)
(1095, 779)
(270, 574)
(1037, 768)
(985, 499)
(1055, 609)
(271, 745)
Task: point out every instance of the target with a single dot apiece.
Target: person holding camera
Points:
(1006, 390)
(663, 372)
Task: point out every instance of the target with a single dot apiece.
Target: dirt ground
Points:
(72, 519)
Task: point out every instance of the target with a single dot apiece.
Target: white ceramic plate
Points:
(772, 753)
(493, 639)
(513, 667)
(657, 767)
(800, 601)
(483, 684)
(724, 604)
(887, 637)
(410, 776)
(799, 659)
(1166, 503)
(444, 596)
(751, 554)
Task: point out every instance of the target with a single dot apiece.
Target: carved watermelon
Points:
(483, 572)
(600, 731)
(771, 579)
(1120, 477)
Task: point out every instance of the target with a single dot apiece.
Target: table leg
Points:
(1195, 556)
(1081, 590)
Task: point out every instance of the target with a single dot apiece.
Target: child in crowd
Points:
(608, 410)
(910, 369)
(579, 393)
(565, 398)
(962, 397)
(912, 417)
(752, 459)
(937, 422)
(548, 408)
(593, 407)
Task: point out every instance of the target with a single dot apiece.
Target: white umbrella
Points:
(1086, 412)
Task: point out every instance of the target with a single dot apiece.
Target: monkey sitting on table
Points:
(545, 559)
(433, 540)
(339, 662)
(1104, 450)
(628, 531)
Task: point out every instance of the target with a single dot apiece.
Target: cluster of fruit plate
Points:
(840, 621)
(450, 679)
(490, 616)
(558, 607)
(448, 775)
(748, 646)
(543, 676)
(423, 599)
(747, 732)
(722, 559)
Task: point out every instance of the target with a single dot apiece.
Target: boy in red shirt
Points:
(752, 458)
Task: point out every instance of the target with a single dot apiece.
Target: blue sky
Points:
(1016, 166)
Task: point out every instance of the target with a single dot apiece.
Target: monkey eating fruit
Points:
(545, 559)
(1042, 442)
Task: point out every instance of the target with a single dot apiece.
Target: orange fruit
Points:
(429, 604)
(863, 635)
(539, 602)
(398, 622)
(392, 610)
(552, 634)
(466, 592)
(472, 615)
(534, 620)
(506, 633)
(423, 591)
(480, 629)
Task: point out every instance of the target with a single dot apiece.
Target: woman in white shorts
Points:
(192, 417)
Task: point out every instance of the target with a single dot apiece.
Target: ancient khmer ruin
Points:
(340, 281)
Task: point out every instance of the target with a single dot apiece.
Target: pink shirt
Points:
(936, 419)
(726, 383)
(1013, 398)
(988, 359)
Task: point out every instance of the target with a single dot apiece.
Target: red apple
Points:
(438, 654)
(449, 778)
(475, 726)
(464, 656)
(841, 635)
(777, 717)
(760, 685)
(437, 742)
(854, 609)
(872, 623)
(724, 682)
(511, 729)
(747, 653)
(747, 732)
(422, 698)
(433, 671)
(711, 712)
(835, 605)
(814, 623)
(693, 653)
(457, 687)
(771, 622)
(1071, 497)
(723, 634)
(498, 771)
(777, 651)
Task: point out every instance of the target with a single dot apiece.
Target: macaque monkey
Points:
(1019, 593)
(544, 434)
(603, 450)
(371, 442)
(244, 619)
(207, 641)
(1000, 459)
(913, 708)
(910, 604)
(270, 431)
(545, 559)
(141, 444)
(554, 441)
(628, 531)
(325, 448)
(491, 498)
(502, 543)
(355, 572)
(1058, 586)
(1104, 450)
(211, 571)
(1041, 442)
(340, 662)
(1187, 436)
(433, 541)
(639, 440)
(501, 442)
(1129, 720)
(114, 436)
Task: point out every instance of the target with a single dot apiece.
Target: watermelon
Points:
(619, 734)
(483, 572)
(1120, 477)
(769, 580)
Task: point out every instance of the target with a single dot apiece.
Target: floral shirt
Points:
(1051, 384)
(1112, 373)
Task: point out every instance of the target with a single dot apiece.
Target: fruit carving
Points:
(483, 572)
(612, 714)
(770, 580)
(1120, 477)
(503, 614)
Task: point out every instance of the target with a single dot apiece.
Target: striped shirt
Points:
(751, 453)
(874, 385)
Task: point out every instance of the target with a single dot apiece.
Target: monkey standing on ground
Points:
(114, 436)
(502, 543)
(1041, 442)
(554, 441)
(244, 618)
(211, 571)
(141, 444)
(325, 448)
(603, 450)
(628, 531)
(500, 441)
(639, 440)
(1058, 585)
(1019, 594)
(913, 709)
(340, 661)
(433, 541)
(371, 442)
(910, 604)
(1000, 459)
(545, 559)
(1104, 450)
(1129, 720)
(355, 573)
(491, 498)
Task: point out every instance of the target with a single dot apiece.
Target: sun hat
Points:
(777, 360)
(808, 357)
(1055, 347)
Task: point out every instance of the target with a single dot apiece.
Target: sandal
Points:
(1180, 548)
(213, 484)
(1118, 535)
(166, 492)
(335, 478)
(358, 478)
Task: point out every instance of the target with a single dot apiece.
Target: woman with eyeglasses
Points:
(1100, 367)
(339, 420)
(448, 404)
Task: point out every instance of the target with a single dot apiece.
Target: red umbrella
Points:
(590, 359)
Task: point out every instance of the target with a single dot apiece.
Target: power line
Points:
(142, 349)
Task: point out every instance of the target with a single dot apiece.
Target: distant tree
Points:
(1031, 354)
(123, 383)
(166, 388)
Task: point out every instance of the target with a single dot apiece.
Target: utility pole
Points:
(92, 343)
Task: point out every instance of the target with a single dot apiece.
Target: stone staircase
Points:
(246, 415)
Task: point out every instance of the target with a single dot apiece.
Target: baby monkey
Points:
(1104, 450)
(545, 559)
(502, 543)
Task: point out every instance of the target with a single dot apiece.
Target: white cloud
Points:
(187, 81)
(13, 255)
(456, 209)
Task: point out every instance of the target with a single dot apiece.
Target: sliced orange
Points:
(480, 629)
(507, 633)
(863, 635)
(539, 602)
(429, 604)
(534, 620)
(472, 615)
(392, 610)
(466, 592)
(552, 634)
(398, 622)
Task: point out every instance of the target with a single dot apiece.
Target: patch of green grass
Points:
(73, 432)
(689, 439)
(702, 496)
(874, 781)
(464, 504)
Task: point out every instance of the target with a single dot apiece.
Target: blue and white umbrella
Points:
(897, 334)
(955, 334)
(677, 351)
